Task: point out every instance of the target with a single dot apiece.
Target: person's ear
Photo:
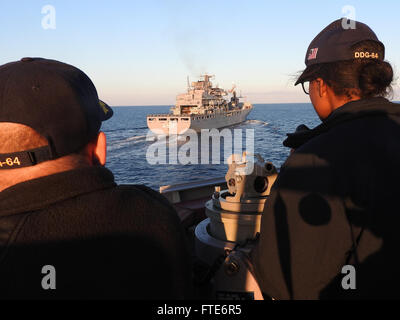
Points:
(322, 87)
(100, 148)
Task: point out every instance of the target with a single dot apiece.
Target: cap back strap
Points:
(26, 158)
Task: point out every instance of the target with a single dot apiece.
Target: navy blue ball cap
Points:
(57, 100)
(336, 43)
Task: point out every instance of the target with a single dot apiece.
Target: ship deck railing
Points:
(192, 190)
(168, 115)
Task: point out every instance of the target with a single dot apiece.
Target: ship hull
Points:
(171, 124)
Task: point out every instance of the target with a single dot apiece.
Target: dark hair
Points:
(365, 77)
(15, 137)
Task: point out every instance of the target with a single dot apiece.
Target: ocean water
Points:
(127, 146)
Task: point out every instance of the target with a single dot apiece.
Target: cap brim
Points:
(106, 111)
(305, 76)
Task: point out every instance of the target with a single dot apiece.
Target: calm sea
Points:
(127, 145)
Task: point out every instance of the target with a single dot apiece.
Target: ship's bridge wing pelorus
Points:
(201, 107)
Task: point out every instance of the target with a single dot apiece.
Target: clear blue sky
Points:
(140, 52)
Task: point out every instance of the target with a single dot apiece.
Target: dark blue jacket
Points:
(336, 202)
(104, 240)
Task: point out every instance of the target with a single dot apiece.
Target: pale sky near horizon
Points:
(141, 52)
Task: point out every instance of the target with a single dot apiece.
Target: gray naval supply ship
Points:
(202, 107)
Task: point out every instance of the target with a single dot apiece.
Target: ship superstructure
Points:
(201, 107)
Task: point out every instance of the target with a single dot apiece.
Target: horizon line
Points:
(167, 105)
(254, 104)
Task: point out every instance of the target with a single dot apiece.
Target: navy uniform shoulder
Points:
(142, 201)
(146, 190)
(144, 195)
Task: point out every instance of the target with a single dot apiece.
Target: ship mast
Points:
(188, 83)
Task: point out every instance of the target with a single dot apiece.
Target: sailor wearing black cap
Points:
(59, 205)
(336, 200)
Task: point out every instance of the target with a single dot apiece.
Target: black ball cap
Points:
(336, 43)
(55, 99)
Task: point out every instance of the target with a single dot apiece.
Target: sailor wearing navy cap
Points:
(330, 229)
(60, 208)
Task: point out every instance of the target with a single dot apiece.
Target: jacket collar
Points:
(39, 193)
(349, 111)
